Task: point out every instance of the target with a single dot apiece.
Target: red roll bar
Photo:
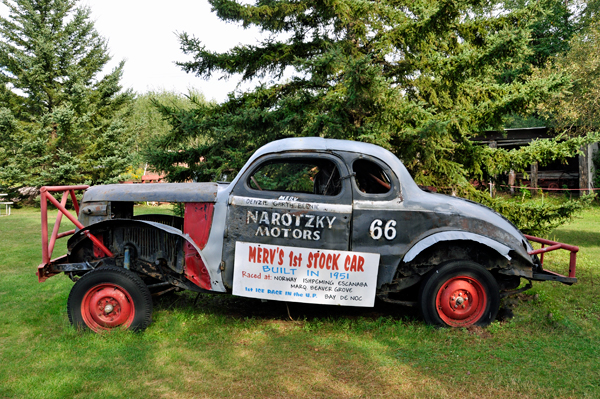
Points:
(553, 247)
(48, 247)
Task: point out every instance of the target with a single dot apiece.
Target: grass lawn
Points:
(223, 346)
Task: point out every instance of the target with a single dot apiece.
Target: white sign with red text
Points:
(308, 275)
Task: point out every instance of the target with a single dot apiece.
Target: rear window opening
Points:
(370, 177)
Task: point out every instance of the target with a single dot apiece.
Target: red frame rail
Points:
(553, 247)
(48, 245)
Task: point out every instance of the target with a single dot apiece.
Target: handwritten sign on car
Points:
(307, 275)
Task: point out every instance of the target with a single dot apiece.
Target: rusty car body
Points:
(307, 220)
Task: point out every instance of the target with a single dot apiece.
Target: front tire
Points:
(459, 294)
(110, 297)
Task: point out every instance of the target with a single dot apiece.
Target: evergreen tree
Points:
(147, 122)
(553, 24)
(420, 78)
(577, 107)
(60, 120)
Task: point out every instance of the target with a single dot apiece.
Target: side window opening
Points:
(307, 176)
(370, 177)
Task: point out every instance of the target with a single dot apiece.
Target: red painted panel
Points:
(197, 221)
(195, 270)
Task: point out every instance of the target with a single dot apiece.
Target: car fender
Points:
(194, 260)
(455, 235)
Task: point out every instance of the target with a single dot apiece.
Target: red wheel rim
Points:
(461, 301)
(107, 306)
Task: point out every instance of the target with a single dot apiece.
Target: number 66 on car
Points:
(306, 220)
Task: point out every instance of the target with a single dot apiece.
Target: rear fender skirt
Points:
(433, 239)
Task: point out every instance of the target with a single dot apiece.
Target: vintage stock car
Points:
(306, 220)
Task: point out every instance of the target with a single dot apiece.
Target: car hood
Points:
(159, 192)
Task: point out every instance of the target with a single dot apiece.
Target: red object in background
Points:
(153, 178)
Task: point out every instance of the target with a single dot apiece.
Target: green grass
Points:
(236, 347)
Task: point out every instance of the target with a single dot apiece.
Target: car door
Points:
(377, 224)
(294, 199)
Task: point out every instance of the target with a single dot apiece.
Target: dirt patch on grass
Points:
(479, 331)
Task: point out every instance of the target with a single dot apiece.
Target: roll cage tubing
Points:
(553, 247)
(48, 245)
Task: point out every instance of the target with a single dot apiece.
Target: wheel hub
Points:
(461, 301)
(107, 306)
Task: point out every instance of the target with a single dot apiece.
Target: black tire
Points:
(459, 294)
(110, 297)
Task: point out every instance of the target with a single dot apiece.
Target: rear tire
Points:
(459, 294)
(110, 297)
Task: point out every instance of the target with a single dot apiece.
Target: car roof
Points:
(320, 144)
